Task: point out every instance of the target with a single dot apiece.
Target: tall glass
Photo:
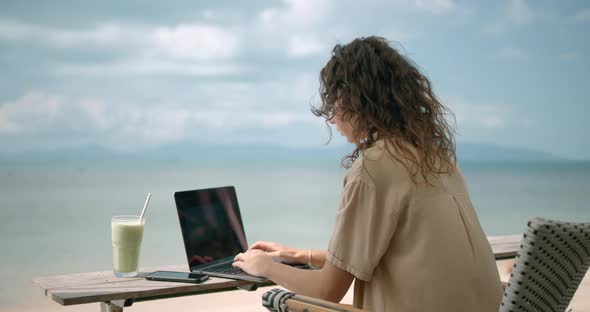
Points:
(127, 232)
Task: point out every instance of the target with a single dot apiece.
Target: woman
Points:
(405, 229)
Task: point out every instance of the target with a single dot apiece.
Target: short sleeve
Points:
(362, 232)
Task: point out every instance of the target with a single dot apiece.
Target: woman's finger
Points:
(238, 264)
(266, 246)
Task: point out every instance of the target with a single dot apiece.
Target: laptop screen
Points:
(211, 224)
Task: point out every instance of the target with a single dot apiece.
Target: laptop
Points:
(213, 232)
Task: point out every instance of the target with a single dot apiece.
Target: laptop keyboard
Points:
(226, 268)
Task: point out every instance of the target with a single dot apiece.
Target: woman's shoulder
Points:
(379, 164)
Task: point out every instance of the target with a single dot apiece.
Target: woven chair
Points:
(552, 260)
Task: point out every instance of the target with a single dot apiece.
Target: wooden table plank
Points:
(104, 286)
(95, 278)
(505, 246)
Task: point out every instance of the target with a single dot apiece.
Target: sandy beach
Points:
(238, 300)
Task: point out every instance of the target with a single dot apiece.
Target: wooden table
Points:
(114, 293)
(505, 246)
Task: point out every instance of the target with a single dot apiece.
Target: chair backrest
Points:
(551, 262)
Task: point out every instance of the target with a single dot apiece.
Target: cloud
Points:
(295, 15)
(486, 116)
(184, 49)
(582, 15)
(511, 53)
(103, 34)
(151, 66)
(198, 42)
(301, 47)
(30, 110)
(568, 56)
(304, 28)
(130, 125)
(435, 6)
(138, 92)
(519, 12)
(292, 28)
(494, 28)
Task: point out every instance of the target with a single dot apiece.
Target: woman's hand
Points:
(279, 252)
(254, 262)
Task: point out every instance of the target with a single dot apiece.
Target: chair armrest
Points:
(299, 303)
(278, 300)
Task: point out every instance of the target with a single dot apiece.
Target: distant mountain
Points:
(191, 153)
(61, 155)
(489, 152)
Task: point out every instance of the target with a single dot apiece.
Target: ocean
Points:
(56, 219)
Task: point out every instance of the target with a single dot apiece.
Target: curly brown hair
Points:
(384, 95)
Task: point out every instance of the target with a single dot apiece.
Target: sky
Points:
(134, 75)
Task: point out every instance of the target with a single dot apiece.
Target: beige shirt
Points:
(411, 247)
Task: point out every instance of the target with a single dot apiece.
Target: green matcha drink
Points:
(127, 232)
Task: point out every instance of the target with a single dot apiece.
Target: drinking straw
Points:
(147, 201)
